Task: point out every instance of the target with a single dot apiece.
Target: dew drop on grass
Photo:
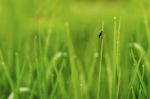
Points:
(115, 17)
(2, 63)
(143, 66)
(24, 89)
(82, 82)
(96, 54)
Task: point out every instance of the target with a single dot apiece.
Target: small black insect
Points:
(100, 34)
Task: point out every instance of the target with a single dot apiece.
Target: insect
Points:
(100, 34)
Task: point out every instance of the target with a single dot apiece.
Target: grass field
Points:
(50, 49)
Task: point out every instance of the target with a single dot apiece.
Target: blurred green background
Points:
(51, 48)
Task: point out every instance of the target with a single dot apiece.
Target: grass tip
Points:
(21, 90)
(57, 56)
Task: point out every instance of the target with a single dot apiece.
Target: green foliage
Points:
(49, 49)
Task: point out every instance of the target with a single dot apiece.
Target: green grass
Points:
(51, 49)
